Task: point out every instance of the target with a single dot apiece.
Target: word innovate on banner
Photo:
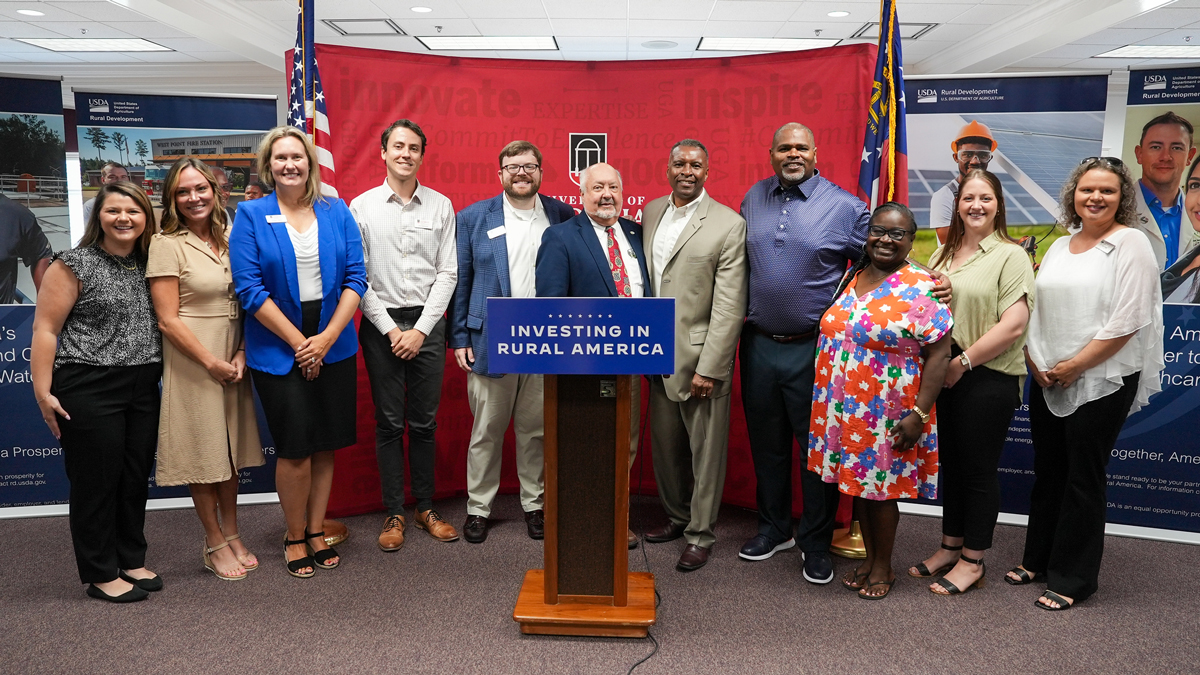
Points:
(562, 336)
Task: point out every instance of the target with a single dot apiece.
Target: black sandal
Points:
(923, 572)
(322, 557)
(855, 583)
(294, 566)
(862, 593)
(1063, 603)
(951, 589)
(1026, 576)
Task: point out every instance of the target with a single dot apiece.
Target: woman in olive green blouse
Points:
(993, 294)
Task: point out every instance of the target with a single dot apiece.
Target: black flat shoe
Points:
(1026, 576)
(132, 595)
(1063, 603)
(151, 585)
(294, 566)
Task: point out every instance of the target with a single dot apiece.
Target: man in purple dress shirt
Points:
(802, 232)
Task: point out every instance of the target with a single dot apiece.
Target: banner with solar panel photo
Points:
(1031, 132)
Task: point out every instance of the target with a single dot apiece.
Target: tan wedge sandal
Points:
(241, 559)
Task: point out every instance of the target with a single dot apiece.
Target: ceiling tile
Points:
(955, 32)
(151, 30)
(1113, 64)
(96, 11)
(1039, 63)
(585, 9)
(442, 9)
(14, 29)
(93, 30)
(351, 9)
(987, 13)
(588, 27)
(1118, 37)
(429, 26)
(672, 10)
(176, 57)
(944, 12)
(741, 29)
(189, 45)
(594, 56)
(1165, 18)
(9, 9)
(860, 12)
(495, 9)
(515, 26)
(1174, 37)
(806, 29)
(398, 43)
(48, 56)
(1074, 52)
(276, 10)
(10, 57)
(752, 10)
(540, 55)
(661, 28)
(592, 44)
(687, 45)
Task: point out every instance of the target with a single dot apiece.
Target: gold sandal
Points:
(248, 554)
(211, 568)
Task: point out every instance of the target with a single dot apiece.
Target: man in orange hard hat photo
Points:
(972, 148)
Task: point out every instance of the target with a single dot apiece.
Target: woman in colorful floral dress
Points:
(881, 361)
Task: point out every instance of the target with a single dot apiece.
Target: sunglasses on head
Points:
(1115, 161)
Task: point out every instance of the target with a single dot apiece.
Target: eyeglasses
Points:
(967, 155)
(895, 234)
(1111, 160)
(515, 169)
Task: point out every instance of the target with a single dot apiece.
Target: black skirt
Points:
(306, 417)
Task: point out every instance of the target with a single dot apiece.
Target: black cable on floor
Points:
(642, 530)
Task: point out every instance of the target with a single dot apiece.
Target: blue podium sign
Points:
(581, 336)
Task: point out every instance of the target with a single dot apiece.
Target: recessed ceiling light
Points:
(735, 44)
(1152, 52)
(30, 12)
(364, 26)
(95, 44)
(838, 14)
(660, 44)
(489, 42)
(421, 10)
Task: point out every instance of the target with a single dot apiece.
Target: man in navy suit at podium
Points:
(597, 254)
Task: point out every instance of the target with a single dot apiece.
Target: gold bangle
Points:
(921, 413)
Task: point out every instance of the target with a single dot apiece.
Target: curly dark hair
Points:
(1126, 210)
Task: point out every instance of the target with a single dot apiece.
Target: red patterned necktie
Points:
(617, 264)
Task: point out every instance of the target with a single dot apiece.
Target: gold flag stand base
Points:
(848, 542)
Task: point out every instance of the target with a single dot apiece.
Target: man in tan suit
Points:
(696, 253)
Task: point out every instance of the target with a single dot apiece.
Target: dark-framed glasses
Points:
(515, 169)
(983, 156)
(895, 234)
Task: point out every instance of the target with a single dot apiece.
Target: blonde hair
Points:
(93, 235)
(312, 190)
(218, 220)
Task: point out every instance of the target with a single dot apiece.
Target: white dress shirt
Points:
(308, 262)
(674, 219)
(523, 231)
(1106, 292)
(632, 269)
(411, 254)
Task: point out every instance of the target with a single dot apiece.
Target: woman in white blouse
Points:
(1095, 351)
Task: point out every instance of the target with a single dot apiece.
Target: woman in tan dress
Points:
(207, 428)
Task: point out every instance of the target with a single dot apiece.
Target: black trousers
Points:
(108, 450)
(973, 420)
(406, 393)
(777, 391)
(1065, 540)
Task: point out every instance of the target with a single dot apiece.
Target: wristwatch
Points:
(922, 414)
(962, 358)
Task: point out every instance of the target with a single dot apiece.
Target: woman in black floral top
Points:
(96, 362)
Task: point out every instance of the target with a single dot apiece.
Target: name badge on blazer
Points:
(277, 218)
(496, 232)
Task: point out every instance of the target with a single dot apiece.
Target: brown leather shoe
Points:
(432, 523)
(391, 538)
(633, 540)
(535, 522)
(694, 557)
(669, 532)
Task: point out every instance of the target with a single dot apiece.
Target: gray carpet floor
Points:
(446, 608)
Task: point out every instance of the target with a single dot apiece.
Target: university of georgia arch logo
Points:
(586, 150)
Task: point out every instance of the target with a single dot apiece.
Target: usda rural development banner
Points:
(142, 135)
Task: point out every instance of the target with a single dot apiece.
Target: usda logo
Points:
(927, 96)
(1154, 83)
(98, 105)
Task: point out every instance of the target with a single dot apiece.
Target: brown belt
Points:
(784, 339)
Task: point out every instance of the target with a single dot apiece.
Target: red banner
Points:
(629, 113)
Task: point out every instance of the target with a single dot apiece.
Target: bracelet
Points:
(921, 413)
(965, 360)
(44, 398)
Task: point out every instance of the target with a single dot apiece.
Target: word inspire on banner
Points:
(617, 340)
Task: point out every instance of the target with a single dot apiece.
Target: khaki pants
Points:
(495, 401)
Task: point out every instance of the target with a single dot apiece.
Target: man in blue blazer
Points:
(498, 240)
(597, 254)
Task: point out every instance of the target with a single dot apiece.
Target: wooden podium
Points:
(586, 587)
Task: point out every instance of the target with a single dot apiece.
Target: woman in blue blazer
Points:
(298, 270)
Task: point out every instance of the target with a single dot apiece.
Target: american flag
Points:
(883, 173)
(306, 104)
